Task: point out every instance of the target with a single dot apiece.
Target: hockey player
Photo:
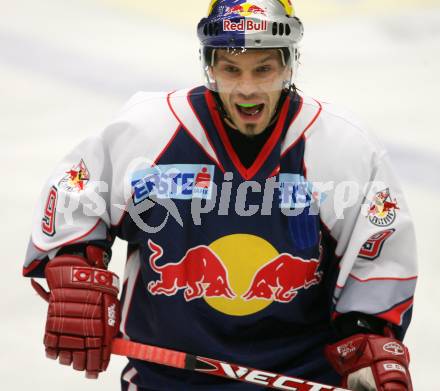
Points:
(255, 222)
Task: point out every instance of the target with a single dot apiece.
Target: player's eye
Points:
(264, 69)
(231, 69)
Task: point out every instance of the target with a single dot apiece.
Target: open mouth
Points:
(250, 110)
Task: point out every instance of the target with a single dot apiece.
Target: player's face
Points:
(250, 85)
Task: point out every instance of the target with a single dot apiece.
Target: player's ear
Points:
(287, 77)
(211, 77)
(211, 72)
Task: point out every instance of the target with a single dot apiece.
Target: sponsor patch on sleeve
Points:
(382, 210)
(76, 178)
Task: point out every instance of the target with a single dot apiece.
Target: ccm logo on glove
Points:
(394, 367)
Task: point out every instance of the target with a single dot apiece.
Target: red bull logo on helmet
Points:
(245, 25)
(245, 9)
(249, 9)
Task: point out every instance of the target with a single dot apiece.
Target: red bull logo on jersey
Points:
(237, 274)
(200, 273)
(282, 278)
(76, 179)
(382, 211)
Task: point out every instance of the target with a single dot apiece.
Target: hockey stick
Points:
(173, 358)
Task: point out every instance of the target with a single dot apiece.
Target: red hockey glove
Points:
(371, 362)
(83, 315)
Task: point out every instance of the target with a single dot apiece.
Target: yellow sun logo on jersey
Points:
(237, 274)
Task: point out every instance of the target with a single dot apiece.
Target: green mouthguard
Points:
(247, 105)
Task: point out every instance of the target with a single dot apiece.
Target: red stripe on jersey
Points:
(155, 162)
(216, 162)
(247, 173)
(289, 148)
(204, 129)
(32, 266)
(395, 315)
(382, 278)
(73, 240)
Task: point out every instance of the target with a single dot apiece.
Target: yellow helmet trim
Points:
(287, 4)
(211, 6)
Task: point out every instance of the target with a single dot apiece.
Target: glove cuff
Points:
(71, 271)
(363, 350)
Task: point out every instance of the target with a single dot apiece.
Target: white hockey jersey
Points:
(246, 264)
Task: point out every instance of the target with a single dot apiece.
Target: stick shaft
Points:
(176, 359)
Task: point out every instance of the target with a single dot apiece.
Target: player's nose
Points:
(247, 86)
